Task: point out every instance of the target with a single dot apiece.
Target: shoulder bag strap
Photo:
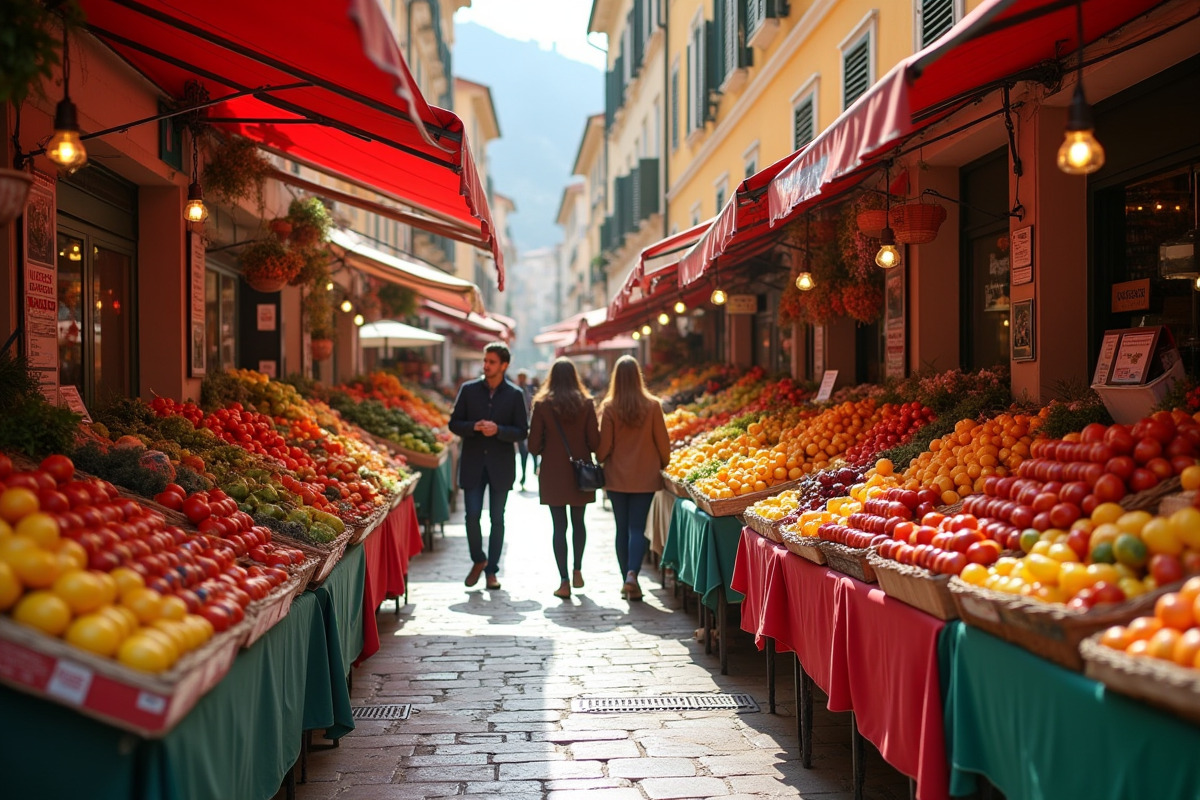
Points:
(558, 425)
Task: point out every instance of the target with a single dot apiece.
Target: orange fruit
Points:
(1185, 523)
(1143, 628)
(12, 545)
(1117, 637)
(145, 603)
(17, 503)
(71, 554)
(125, 619)
(144, 653)
(1174, 611)
(173, 608)
(1187, 649)
(10, 586)
(37, 568)
(41, 528)
(1190, 589)
(5, 529)
(127, 579)
(43, 610)
(82, 590)
(1138, 647)
(1190, 478)
(1162, 644)
(95, 633)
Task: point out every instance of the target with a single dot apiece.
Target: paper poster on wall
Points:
(265, 316)
(1108, 349)
(818, 340)
(894, 324)
(196, 289)
(268, 368)
(1022, 255)
(41, 285)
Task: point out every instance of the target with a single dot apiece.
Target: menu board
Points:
(1131, 364)
(1108, 349)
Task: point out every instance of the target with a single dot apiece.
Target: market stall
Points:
(387, 552)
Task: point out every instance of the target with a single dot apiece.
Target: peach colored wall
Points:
(840, 350)
(932, 310)
(741, 340)
(162, 350)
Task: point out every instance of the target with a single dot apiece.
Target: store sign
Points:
(742, 304)
(1022, 255)
(41, 285)
(894, 324)
(196, 329)
(1131, 296)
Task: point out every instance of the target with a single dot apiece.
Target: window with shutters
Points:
(804, 122)
(730, 16)
(762, 21)
(627, 53)
(722, 191)
(675, 105)
(750, 160)
(697, 93)
(858, 62)
(934, 18)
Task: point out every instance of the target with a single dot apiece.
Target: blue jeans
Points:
(473, 507)
(631, 510)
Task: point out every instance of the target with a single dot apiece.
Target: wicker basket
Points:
(807, 547)
(326, 555)
(1174, 502)
(1150, 499)
(428, 460)
(264, 614)
(917, 223)
(766, 527)
(149, 705)
(1160, 683)
(872, 221)
(727, 507)
(849, 560)
(1050, 630)
(916, 586)
(675, 487)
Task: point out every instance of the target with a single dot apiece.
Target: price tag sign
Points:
(69, 396)
(826, 388)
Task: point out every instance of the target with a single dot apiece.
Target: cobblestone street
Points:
(491, 676)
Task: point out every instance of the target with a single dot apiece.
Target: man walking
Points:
(489, 415)
(522, 446)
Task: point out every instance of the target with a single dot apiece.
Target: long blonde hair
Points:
(563, 391)
(627, 395)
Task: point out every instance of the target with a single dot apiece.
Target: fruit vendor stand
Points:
(432, 496)
(701, 548)
(387, 552)
(1039, 731)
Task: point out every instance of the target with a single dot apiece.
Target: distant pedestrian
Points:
(563, 426)
(523, 446)
(634, 448)
(489, 415)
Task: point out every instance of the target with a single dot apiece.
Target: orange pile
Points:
(1172, 634)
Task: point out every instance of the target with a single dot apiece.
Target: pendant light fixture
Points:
(664, 318)
(64, 148)
(680, 307)
(646, 330)
(888, 256)
(347, 306)
(195, 210)
(1080, 153)
(804, 281)
(359, 319)
(636, 335)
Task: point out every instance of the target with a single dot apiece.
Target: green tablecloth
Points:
(1041, 732)
(238, 742)
(341, 597)
(432, 494)
(701, 549)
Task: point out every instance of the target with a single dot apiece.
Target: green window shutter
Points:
(856, 71)
(712, 70)
(637, 20)
(756, 15)
(937, 17)
(803, 124)
(729, 38)
(635, 203)
(648, 194)
(674, 109)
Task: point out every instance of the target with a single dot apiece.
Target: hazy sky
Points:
(560, 24)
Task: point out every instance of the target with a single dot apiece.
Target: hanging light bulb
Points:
(64, 148)
(646, 330)
(195, 210)
(664, 318)
(347, 306)
(680, 307)
(1080, 153)
(359, 319)
(718, 297)
(636, 335)
(75, 253)
(329, 286)
(804, 282)
(1197, 284)
(888, 256)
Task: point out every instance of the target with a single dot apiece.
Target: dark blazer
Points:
(506, 408)
(556, 481)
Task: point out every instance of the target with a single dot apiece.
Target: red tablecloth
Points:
(869, 653)
(388, 550)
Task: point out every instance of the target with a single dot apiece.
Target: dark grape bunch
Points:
(819, 487)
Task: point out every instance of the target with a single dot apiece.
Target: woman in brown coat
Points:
(563, 401)
(634, 448)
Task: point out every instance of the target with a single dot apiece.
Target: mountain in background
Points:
(542, 100)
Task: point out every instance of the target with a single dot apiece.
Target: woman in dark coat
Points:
(563, 398)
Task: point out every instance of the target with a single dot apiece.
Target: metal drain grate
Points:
(739, 702)
(392, 711)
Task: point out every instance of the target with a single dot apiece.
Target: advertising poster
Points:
(40, 286)
(894, 324)
(198, 346)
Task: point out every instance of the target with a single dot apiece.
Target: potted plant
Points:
(396, 302)
(236, 170)
(268, 266)
(281, 228)
(310, 221)
(314, 268)
(318, 321)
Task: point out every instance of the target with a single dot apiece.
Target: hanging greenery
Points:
(310, 221)
(314, 268)
(267, 265)
(236, 170)
(30, 45)
(396, 302)
(318, 313)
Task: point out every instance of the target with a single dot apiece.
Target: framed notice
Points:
(196, 327)
(1108, 350)
(1024, 335)
(40, 285)
(1022, 255)
(818, 343)
(742, 304)
(265, 317)
(826, 388)
(1131, 364)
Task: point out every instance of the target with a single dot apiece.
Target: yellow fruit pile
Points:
(779, 506)
(838, 509)
(45, 584)
(957, 464)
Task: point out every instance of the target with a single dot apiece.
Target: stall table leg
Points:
(771, 674)
(722, 615)
(857, 757)
(804, 706)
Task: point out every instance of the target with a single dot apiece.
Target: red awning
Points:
(999, 42)
(659, 261)
(493, 327)
(321, 82)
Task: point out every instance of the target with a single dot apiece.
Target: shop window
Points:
(220, 319)
(985, 263)
(95, 312)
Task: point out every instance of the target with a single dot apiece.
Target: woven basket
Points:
(916, 586)
(727, 507)
(1050, 630)
(807, 547)
(872, 221)
(265, 285)
(264, 614)
(326, 555)
(1174, 502)
(322, 349)
(1150, 499)
(851, 561)
(917, 223)
(675, 487)
(764, 526)
(1160, 683)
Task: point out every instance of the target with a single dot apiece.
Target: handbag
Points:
(589, 475)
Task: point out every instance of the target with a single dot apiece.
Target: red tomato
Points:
(59, 467)
(196, 509)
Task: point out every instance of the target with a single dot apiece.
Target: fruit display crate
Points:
(916, 586)
(1161, 683)
(849, 560)
(409, 487)
(361, 531)
(1050, 630)
(675, 487)
(1150, 499)
(727, 507)
(764, 526)
(1174, 502)
(326, 555)
(418, 459)
(264, 614)
(807, 547)
(149, 705)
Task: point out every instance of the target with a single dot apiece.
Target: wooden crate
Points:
(103, 688)
(266, 613)
(730, 506)
(1161, 683)
(916, 586)
(326, 555)
(807, 547)
(675, 487)
(849, 560)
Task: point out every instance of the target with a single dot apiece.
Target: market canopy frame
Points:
(322, 83)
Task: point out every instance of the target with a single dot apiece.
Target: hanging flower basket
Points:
(268, 266)
(14, 189)
(265, 284)
(917, 223)
(281, 228)
(871, 221)
(322, 349)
